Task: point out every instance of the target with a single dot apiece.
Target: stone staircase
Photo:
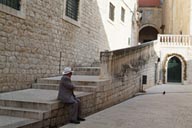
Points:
(86, 79)
(24, 109)
(38, 107)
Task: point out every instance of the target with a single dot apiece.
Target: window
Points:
(111, 12)
(72, 7)
(15, 4)
(122, 14)
(129, 41)
(14, 7)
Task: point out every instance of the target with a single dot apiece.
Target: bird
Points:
(164, 93)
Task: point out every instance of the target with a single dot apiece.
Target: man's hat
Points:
(67, 70)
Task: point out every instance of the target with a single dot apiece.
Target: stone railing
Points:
(175, 40)
(130, 64)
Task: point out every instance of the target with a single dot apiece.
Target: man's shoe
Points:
(80, 119)
(74, 121)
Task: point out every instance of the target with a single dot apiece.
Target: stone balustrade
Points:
(175, 40)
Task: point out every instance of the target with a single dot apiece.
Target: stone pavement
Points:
(151, 110)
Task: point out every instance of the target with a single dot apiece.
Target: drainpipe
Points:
(60, 62)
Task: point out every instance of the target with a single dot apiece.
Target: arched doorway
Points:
(147, 34)
(174, 70)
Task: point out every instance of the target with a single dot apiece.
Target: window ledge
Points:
(72, 21)
(18, 13)
(122, 22)
(110, 21)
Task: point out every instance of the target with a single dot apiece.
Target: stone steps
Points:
(56, 87)
(16, 122)
(36, 108)
(27, 104)
(76, 79)
(24, 113)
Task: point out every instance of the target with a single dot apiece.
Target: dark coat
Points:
(66, 88)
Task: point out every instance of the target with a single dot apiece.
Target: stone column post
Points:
(106, 65)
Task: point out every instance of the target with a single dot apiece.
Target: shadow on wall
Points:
(44, 42)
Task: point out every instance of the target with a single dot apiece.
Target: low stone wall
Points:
(113, 93)
(105, 96)
(128, 66)
(59, 115)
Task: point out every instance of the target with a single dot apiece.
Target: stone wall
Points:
(60, 116)
(151, 16)
(125, 75)
(42, 42)
(127, 67)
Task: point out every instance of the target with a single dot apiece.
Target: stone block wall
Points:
(127, 66)
(151, 16)
(42, 42)
(113, 93)
(60, 115)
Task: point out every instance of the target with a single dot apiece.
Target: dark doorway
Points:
(147, 34)
(174, 70)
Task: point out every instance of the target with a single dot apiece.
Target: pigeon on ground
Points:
(164, 93)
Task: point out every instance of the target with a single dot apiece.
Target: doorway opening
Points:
(147, 34)
(174, 70)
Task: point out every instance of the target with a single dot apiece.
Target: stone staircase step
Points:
(16, 122)
(76, 79)
(24, 113)
(30, 99)
(93, 71)
(27, 104)
(40, 105)
(56, 87)
(45, 86)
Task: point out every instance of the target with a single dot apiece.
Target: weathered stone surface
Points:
(42, 43)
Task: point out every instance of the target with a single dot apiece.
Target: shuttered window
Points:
(72, 7)
(111, 12)
(15, 4)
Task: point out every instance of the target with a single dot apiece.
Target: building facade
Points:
(118, 17)
(38, 38)
(168, 22)
(151, 21)
(177, 16)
